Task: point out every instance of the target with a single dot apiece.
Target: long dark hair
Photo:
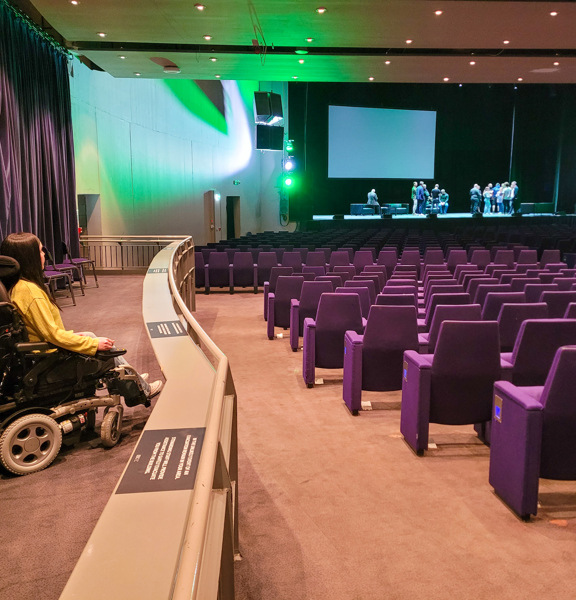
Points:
(25, 248)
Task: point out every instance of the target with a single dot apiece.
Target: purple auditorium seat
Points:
(402, 283)
(318, 270)
(480, 258)
(495, 300)
(447, 312)
(287, 288)
(430, 277)
(436, 300)
(316, 259)
(243, 272)
(434, 257)
(307, 276)
(441, 287)
(536, 344)
(505, 257)
(453, 386)
(306, 307)
(231, 252)
(403, 270)
(396, 300)
(339, 258)
(533, 435)
(388, 259)
(533, 291)
(270, 286)
(400, 289)
(303, 254)
(557, 302)
(255, 254)
(568, 272)
(335, 280)
(466, 278)
(327, 253)
(373, 361)
(206, 254)
(489, 270)
(548, 277)
(350, 250)
(570, 311)
(528, 257)
(266, 260)
(377, 269)
(411, 257)
(564, 283)
(367, 283)
(279, 254)
(217, 271)
(294, 260)
(459, 269)
(363, 258)
(456, 257)
(512, 316)
(519, 283)
(373, 277)
(363, 293)
(550, 256)
(324, 336)
(485, 288)
(199, 274)
(350, 270)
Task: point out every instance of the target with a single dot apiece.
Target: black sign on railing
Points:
(161, 329)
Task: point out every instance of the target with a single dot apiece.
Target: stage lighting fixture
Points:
(289, 165)
(290, 146)
(288, 181)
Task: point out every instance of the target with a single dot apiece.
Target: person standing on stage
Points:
(475, 198)
(426, 198)
(435, 197)
(515, 206)
(420, 197)
(500, 199)
(495, 198)
(414, 201)
(507, 198)
(443, 202)
(487, 198)
(373, 201)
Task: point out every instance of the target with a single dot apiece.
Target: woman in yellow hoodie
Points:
(39, 311)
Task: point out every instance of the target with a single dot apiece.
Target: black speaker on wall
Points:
(267, 107)
(269, 137)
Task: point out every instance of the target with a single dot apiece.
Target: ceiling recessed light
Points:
(438, 13)
(387, 62)
(199, 6)
(213, 59)
(122, 57)
(408, 41)
(472, 62)
(446, 78)
(217, 76)
(137, 74)
(301, 61)
(321, 10)
(506, 41)
(294, 76)
(520, 79)
(459, 85)
(553, 13)
(309, 40)
(556, 64)
(370, 78)
(207, 37)
(74, 2)
(101, 34)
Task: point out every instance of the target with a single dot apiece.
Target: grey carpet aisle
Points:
(331, 506)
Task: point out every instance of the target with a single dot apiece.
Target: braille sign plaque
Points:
(158, 270)
(164, 460)
(160, 329)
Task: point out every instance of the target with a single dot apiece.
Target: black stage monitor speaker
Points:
(267, 106)
(477, 216)
(269, 137)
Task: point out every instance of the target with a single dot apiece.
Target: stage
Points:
(444, 222)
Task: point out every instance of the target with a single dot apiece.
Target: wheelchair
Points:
(48, 393)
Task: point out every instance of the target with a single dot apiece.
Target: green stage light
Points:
(289, 146)
(288, 181)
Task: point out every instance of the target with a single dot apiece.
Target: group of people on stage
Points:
(435, 201)
(494, 199)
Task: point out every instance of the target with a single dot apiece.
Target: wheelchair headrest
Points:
(9, 275)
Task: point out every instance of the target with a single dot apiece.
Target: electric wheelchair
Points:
(47, 393)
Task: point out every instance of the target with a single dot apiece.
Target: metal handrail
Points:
(188, 570)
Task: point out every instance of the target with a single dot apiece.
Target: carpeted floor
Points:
(331, 506)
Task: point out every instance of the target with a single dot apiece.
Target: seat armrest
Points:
(353, 337)
(309, 323)
(33, 347)
(112, 353)
(364, 323)
(294, 303)
(420, 361)
(517, 395)
(294, 323)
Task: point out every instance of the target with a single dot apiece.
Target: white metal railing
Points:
(124, 252)
(181, 282)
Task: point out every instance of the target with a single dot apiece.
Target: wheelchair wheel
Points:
(110, 430)
(30, 444)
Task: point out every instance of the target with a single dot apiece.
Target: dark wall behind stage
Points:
(478, 129)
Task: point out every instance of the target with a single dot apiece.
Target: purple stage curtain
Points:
(37, 182)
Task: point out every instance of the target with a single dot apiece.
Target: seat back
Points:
(570, 311)
(364, 295)
(350, 270)
(434, 257)
(402, 283)
(396, 300)
(335, 280)
(518, 283)
(363, 258)
(276, 272)
(495, 300)
(528, 257)
(390, 331)
(557, 302)
(199, 272)
(388, 258)
(317, 270)
(287, 288)
(438, 299)
(339, 258)
(512, 316)
(464, 268)
(484, 289)
(337, 313)
(316, 259)
(266, 261)
(558, 451)
(411, 257)
(377, 269)
(400, 289)
(535, 347)
(309, 299)
(481, 258)
(504, 257)
(442, 288)
(367, 283)
(456, 257)
(243, 260)
(303, 254)
(550, 256)
(447, 312)
(533, 291)
(294, 260)
(564, 283)
(465, 365)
